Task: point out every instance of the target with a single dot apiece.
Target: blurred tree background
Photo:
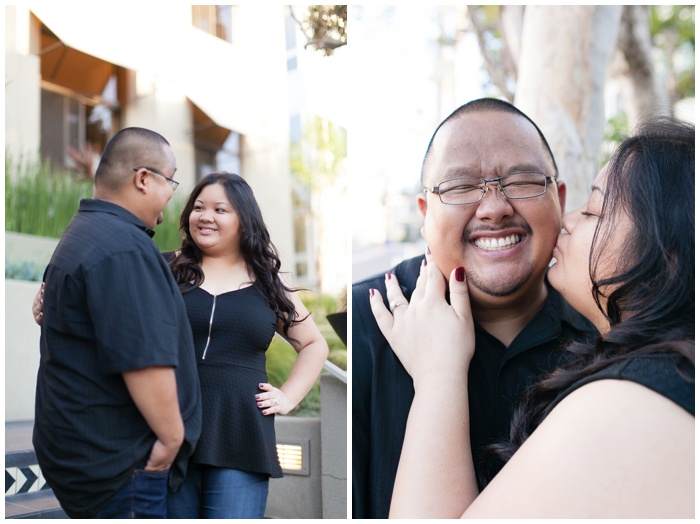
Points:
(585, 74)
(324, 26)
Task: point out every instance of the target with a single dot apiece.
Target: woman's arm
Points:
(435, 342)
(612, 449)
(312, 351)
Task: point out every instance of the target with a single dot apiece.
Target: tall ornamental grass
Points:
(40, 200)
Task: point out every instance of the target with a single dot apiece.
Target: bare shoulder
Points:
(613, 448)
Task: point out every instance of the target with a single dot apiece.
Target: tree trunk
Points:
(640, 89)
(562, 70)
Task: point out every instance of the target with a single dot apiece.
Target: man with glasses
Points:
(492, 203)
(118, 409)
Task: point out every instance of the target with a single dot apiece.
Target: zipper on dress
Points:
(211, 321)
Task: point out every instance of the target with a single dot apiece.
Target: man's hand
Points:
(154, 391)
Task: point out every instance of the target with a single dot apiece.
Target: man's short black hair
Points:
(484, 105)
(121, 149)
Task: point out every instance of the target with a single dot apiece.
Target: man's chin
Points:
(159, 219)
(497, 287)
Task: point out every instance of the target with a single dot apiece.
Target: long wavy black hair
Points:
(257, 249)
(650, 301)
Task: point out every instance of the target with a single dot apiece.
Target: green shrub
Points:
(281, 356)
(24, 270)
(42, 201)
(280, 359)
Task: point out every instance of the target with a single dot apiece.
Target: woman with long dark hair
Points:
(229, 274)
(612, 433)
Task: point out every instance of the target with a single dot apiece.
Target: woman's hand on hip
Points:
(273, 400)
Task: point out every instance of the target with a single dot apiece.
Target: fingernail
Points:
(429, 250)
(371, 292)
(459, 274)
(257, 397)
(261, 385)
(388, 276)
(424, 263)
(259, 404)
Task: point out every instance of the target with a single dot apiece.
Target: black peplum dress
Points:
(231, 333)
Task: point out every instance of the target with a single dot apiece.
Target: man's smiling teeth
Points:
(497, 243)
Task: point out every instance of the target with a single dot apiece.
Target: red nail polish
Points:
(388, 276)
(371, 292)
(459, 274)
(429, 252)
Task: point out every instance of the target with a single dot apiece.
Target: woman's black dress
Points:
(231, 333)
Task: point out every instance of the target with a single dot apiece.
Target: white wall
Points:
(22, 92)
(21, 350)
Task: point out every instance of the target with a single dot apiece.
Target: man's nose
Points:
(494, 206)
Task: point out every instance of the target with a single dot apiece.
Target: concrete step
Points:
(26, 493)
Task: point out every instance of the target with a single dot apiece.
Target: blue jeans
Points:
(142, 497)
(219, 493)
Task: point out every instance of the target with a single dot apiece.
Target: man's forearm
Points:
(154, 391)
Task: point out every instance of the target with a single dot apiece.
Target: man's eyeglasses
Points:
(517, 186)
(173, 183)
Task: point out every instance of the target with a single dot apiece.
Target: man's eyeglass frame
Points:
(485, 188)
(173, 183)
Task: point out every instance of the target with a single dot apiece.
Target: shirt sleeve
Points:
(361, 392)
(133, 312)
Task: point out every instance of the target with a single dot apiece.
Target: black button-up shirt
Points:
(111, 305)
(382, 390)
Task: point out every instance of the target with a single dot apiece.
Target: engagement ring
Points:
(394, 305)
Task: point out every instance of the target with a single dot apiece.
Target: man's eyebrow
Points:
(470, 172)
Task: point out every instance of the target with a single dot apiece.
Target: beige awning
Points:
(159, 40)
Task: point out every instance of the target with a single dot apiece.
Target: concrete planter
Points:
(21, 350)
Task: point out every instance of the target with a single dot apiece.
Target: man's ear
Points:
(561, 189)
(422, 203)
(140, 180)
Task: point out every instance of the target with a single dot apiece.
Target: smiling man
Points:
(492, 203)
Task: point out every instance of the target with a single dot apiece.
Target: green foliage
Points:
(616, 130)
(321, 306)
(39, 201)
(24, 270)
(673, 33)
(281, 356)
(325, 27)
(168, 236)
(42, 201)
(280, 359)
(317, 159)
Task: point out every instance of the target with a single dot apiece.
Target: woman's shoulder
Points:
(610, 448)
(669, 374)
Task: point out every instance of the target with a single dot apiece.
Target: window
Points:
(216, 148)
(217, 20)
(209, 158)
(72, 121)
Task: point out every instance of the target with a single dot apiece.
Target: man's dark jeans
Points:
(142, 497)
